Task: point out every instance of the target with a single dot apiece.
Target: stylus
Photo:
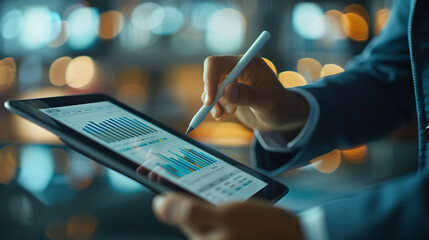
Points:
(242, 63)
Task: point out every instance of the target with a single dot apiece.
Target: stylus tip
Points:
(189, 129)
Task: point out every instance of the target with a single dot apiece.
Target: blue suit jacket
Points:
(377, 94)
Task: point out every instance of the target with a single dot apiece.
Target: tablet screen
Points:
(159, 151)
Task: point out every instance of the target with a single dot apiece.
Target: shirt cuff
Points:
(313, 224)
(276, 141)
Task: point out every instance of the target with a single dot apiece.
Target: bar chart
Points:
(185, 161)
(117, 129)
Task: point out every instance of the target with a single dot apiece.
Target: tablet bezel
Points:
(29, 109)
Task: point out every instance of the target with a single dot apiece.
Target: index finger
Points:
(214, 68)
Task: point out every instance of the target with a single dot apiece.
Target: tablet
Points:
(145, 150)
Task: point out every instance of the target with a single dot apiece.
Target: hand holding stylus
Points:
(256, 96)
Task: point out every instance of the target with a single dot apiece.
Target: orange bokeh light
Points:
(187, 82)
(381, 18)
(291, 79)
(356, 155)
(355, 26)
(334, 29)
(223, 134)
(309, 68)
(7, 73)
(57, 71)
(359, 10)
(270, 64)
(330, 69)
(327, 163)
(111, 24)
(80, 72)
(81, 226)
(8, 164)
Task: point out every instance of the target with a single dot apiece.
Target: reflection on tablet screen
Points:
(158, 151)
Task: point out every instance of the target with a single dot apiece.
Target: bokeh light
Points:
(270, 64)
(37, 27)
(355, 27)
(327, 163)
(147, 16)
(37, 167)
(8, 164)
(7, 73)
(359, 10)
(21, 209)
(80, 172)
(334, 28)
(228, 134)
(60, 32)
(134, 38)
(225, 31)
(57, 71)
(111, 24)
(200, 13)
(291, 79)
(171, 23)
(381, 18)
(81, 226)
(84, 25)
(80, 72)
(186, 82)
(61, 159)
(356, 155)
(330, 69)
(11, 24)
(308, 20)
(122, 184)
(309, 68)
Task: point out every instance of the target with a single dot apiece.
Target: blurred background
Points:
(149, 55)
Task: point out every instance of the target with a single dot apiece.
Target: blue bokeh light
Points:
(37, 27)
(201, 12)
(122, 184)
(84, 25)
(225, 31)
(11, 24)
(308, 20)
(37, 168)
(171, 23)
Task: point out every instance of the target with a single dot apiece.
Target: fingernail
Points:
(234, 93)
(228, 108)
(158, 203)
(213, 112)
(206, 100)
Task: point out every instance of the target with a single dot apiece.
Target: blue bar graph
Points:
(117, 129)
(185, 162)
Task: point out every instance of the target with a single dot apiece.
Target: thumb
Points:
(177, 209)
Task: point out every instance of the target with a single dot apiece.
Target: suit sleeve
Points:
(398, 209)
(368, 101)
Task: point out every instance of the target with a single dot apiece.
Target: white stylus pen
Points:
(242, 63)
